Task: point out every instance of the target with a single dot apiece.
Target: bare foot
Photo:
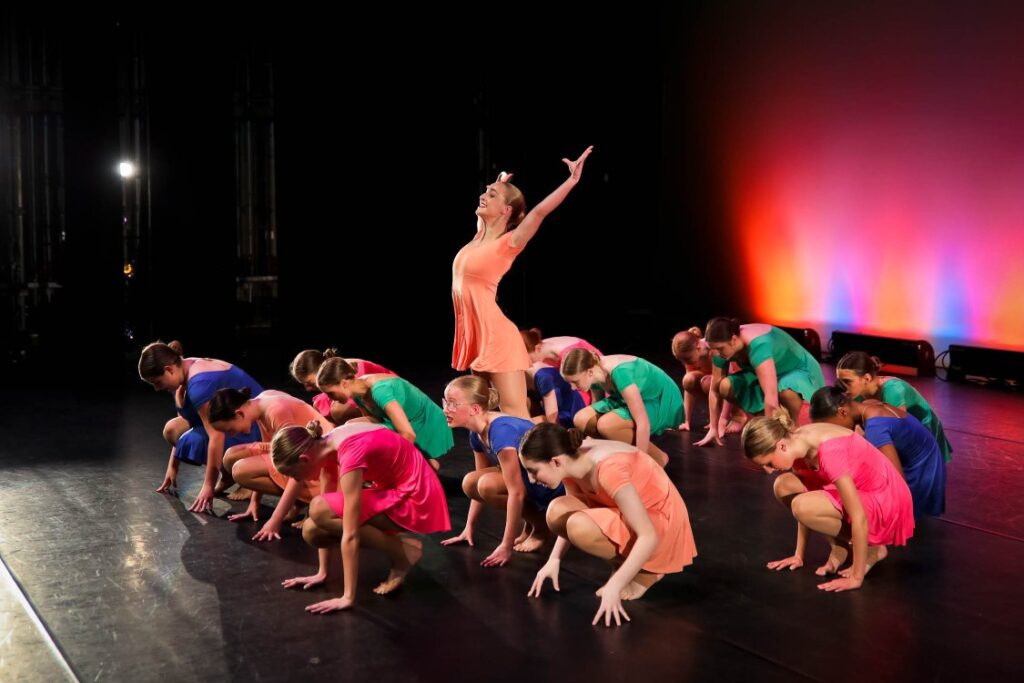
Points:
(297, 524)
(836, 559)
(240, 494)
(532, 544)
(295, 513)
(639, 585)
(521, 538)
(876, 553)
(413, 552)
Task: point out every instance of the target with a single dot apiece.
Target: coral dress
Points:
(676, 548)
(281, 411)
(485, 340)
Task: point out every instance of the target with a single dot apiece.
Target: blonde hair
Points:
(292, 441)
(515, 199)
(686, 341)
(334, 370)
(762, 433)
(579, 360)
(477, 390)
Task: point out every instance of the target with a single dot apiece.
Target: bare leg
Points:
(559, 511)
(786, 487)
(611, 426)
(232, 456)
(792, 402)
(404, 552)
(639, 585)
(538, 528)
(173, 430)
(814, 510)
(584, 533)
(586, 421)
(511, 387)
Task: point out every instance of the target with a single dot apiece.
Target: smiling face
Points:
(492, 203)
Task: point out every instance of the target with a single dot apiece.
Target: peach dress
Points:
(485, 340)
(676, 548)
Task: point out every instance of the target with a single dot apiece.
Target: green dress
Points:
(897, 392)
(433, 436)
(661, 396)
(795, 368)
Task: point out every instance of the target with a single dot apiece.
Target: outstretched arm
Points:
(525, 231)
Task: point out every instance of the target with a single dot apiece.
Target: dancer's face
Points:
(337, 392)
(492, 202)
(856, 385)
(727, 349)
(170, 380)
(309, 382)
(549, 474)
(457, 409)
(581, 382)
(239, 424)
(779, 460)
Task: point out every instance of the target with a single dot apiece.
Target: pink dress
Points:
(883, 493)
(405, 487)
(485, 340)
(676, 548)
(323, 402)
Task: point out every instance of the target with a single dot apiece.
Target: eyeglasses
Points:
(446, 404)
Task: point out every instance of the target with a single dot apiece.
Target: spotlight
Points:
(904, 356)
(126, 169)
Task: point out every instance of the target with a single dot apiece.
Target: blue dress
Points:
(193, 445)
(569, 401)
(506, 432)
(920, 455)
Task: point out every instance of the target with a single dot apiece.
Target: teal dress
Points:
(795, 368)
(661, 396)
(897, 392)
(433, 436)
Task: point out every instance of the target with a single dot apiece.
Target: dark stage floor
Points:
(131, 587)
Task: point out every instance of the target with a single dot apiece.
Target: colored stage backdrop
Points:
(870, 159)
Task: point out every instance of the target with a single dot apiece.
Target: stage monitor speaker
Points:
(973, 361)
(904, 356)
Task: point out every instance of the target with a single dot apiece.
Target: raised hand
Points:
(576, 167)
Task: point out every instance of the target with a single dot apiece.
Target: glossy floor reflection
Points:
(133, 587)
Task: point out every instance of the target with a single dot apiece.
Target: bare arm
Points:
(401, 421)
(551, 407)
(769, 381)
(637, 409)
(525, 231)
(475, 507)
(714, 403)
(214, 455)
(635, 515)
(351, 486)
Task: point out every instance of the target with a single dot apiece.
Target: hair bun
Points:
(576, 438)
(332, 352)
(315, 429)
(177, 347)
